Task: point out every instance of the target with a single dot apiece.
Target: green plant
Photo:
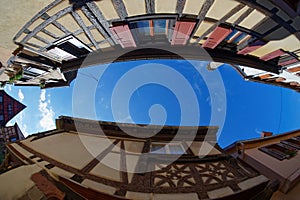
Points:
(19, 75)
(291, 153)
(11, 79)
(42, 83)
(16, 76)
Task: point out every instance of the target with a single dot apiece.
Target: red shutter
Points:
(295, 69)
(182, 32)
(216, 37)
(272, 55)
(123, 35)
(288, 62)
(265, 76)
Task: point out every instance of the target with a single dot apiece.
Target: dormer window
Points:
(68, 48)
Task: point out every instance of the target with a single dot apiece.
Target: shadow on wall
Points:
(77, 4)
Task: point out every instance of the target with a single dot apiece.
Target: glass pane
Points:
(143, 27)
(239, 38)
(176, 149)
(159, 26)
(35, 70)
(158, 148)
(61, 54)
(231, 35)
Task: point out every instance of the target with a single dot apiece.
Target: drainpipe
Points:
(241, 151)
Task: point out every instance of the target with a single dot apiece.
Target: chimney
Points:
(266, 134)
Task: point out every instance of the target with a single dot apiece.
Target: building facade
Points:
(287, 78)
(277, 157)
(262, 35)
(9, 134)
(76, 161)
(9, 107)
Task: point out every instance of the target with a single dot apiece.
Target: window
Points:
(60, 54)
(159, 26)
(146, 30)
(232, 36)
(279, 151)
(13, 139)
(237, 37)
(287, 59)
(176, 149)
(293, 142)
(24, 79)
(35, 70)
(241, 38)
(162, 148)
(1, 117)
(10, 109)
(1, 98)
(142, 27)
(29, 73)
(68, 48)
(158, 149)
(150, 27)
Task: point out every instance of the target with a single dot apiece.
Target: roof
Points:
(253, 143)
(16, 106)
(153, 132)
(288, 78)
(69, 76)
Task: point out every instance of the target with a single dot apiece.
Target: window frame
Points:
(279, 151)
(165, 147)
(152, 36)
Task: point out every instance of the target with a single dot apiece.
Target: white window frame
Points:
(166, 148)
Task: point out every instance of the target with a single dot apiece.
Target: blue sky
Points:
(164, 91)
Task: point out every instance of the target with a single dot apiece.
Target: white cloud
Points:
(47, 114)
(19, 119)
(20, 95)
(8, 87)
(21, 123)
(43, 95)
